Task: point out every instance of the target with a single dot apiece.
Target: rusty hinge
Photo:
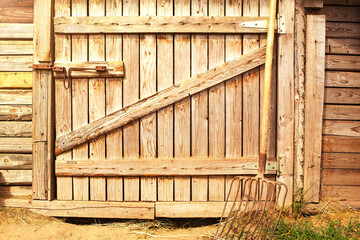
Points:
(42, 66)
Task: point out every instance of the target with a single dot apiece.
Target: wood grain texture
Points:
(63, 99)
(16, 129)
(16, 47)
(251, 90)
(131, 85)
(342, 62)
(15, 192)
(341, 144)
(342, 30)
(165, 117)
(182, 121)
(342, 46)
(341, 13)
(341, 112)
(199, 103)
(342, 128)
(216, 105)
(285, 102)
(314, 95)
(342, 79)
(80, 102)
(162, 99)
(341, 177)
(40, 170)
(313, 3)
(15, 112)
(97, 101)
(114, 93)
(341, 160)
(347, 193)
(162, 167)
(15, 177)
(17, 3)
(342, 2)
(41, 79)
(342, 95)
(139, 210)
(197, 23)
(15, 145)
(13, 80)
(148, 84)
(15, 63)
(16, 14)
(12, 97)
(16, 31)
(15, 161)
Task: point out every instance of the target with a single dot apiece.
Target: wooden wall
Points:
(340, 174)
(16, 17)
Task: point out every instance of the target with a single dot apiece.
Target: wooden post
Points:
(315, 77)
(43, 90)
(285, 102)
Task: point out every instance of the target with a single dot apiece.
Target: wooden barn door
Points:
(221, 122)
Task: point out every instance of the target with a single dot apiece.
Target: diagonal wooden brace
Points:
(160, 100)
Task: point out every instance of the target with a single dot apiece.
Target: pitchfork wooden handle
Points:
(264, 127)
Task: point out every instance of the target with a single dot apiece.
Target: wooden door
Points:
(215, 127)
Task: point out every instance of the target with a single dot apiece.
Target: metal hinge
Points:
(262, 24)
(280, 164)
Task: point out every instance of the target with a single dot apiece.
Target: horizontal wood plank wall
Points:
(341, 125)
(16, 52)
(208, 124)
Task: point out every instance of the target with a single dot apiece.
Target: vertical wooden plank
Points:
(233, 92)
(199, 102)
(285, 101)
(314, 95)
(63, 99)
(43, 184)
(97, 101)
(131, 95)
(114, 102)
(251, 112)
(216, 105)
(80, 99)
(182, 66)
(147, 88)
(165, 67)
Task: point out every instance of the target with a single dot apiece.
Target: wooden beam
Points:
(43, 103)
(15, 80)
(160, 100)
(313, 3)
(15, 145)
(15, 112)
(15, 177)
(158, 24)
(347, 193)
(342, 128)
(314, 95)
(161, 167)
(343, 46)
(15, 192)
(16, 3)
(16, 129)
(86, 209)
(340, 177)
(10, 97)
(341, 13)
(342, 95)
(342, 30)
(16, 47)
(342, 112)
(16, 31)
(15, 161)
(342, 79)
(341, 144)
(10, 14)
(341, 160)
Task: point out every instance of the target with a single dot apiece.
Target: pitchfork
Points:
(254, 205)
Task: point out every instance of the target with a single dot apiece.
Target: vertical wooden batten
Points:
(43, 139)
(315, 78)
(285, 102)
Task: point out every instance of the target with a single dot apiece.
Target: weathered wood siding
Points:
(16, 49)
(341, 126)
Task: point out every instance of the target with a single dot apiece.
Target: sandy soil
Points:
(22, 224)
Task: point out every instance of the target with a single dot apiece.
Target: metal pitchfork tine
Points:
(258, 203)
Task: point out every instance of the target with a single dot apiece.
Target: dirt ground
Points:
(23, 224)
